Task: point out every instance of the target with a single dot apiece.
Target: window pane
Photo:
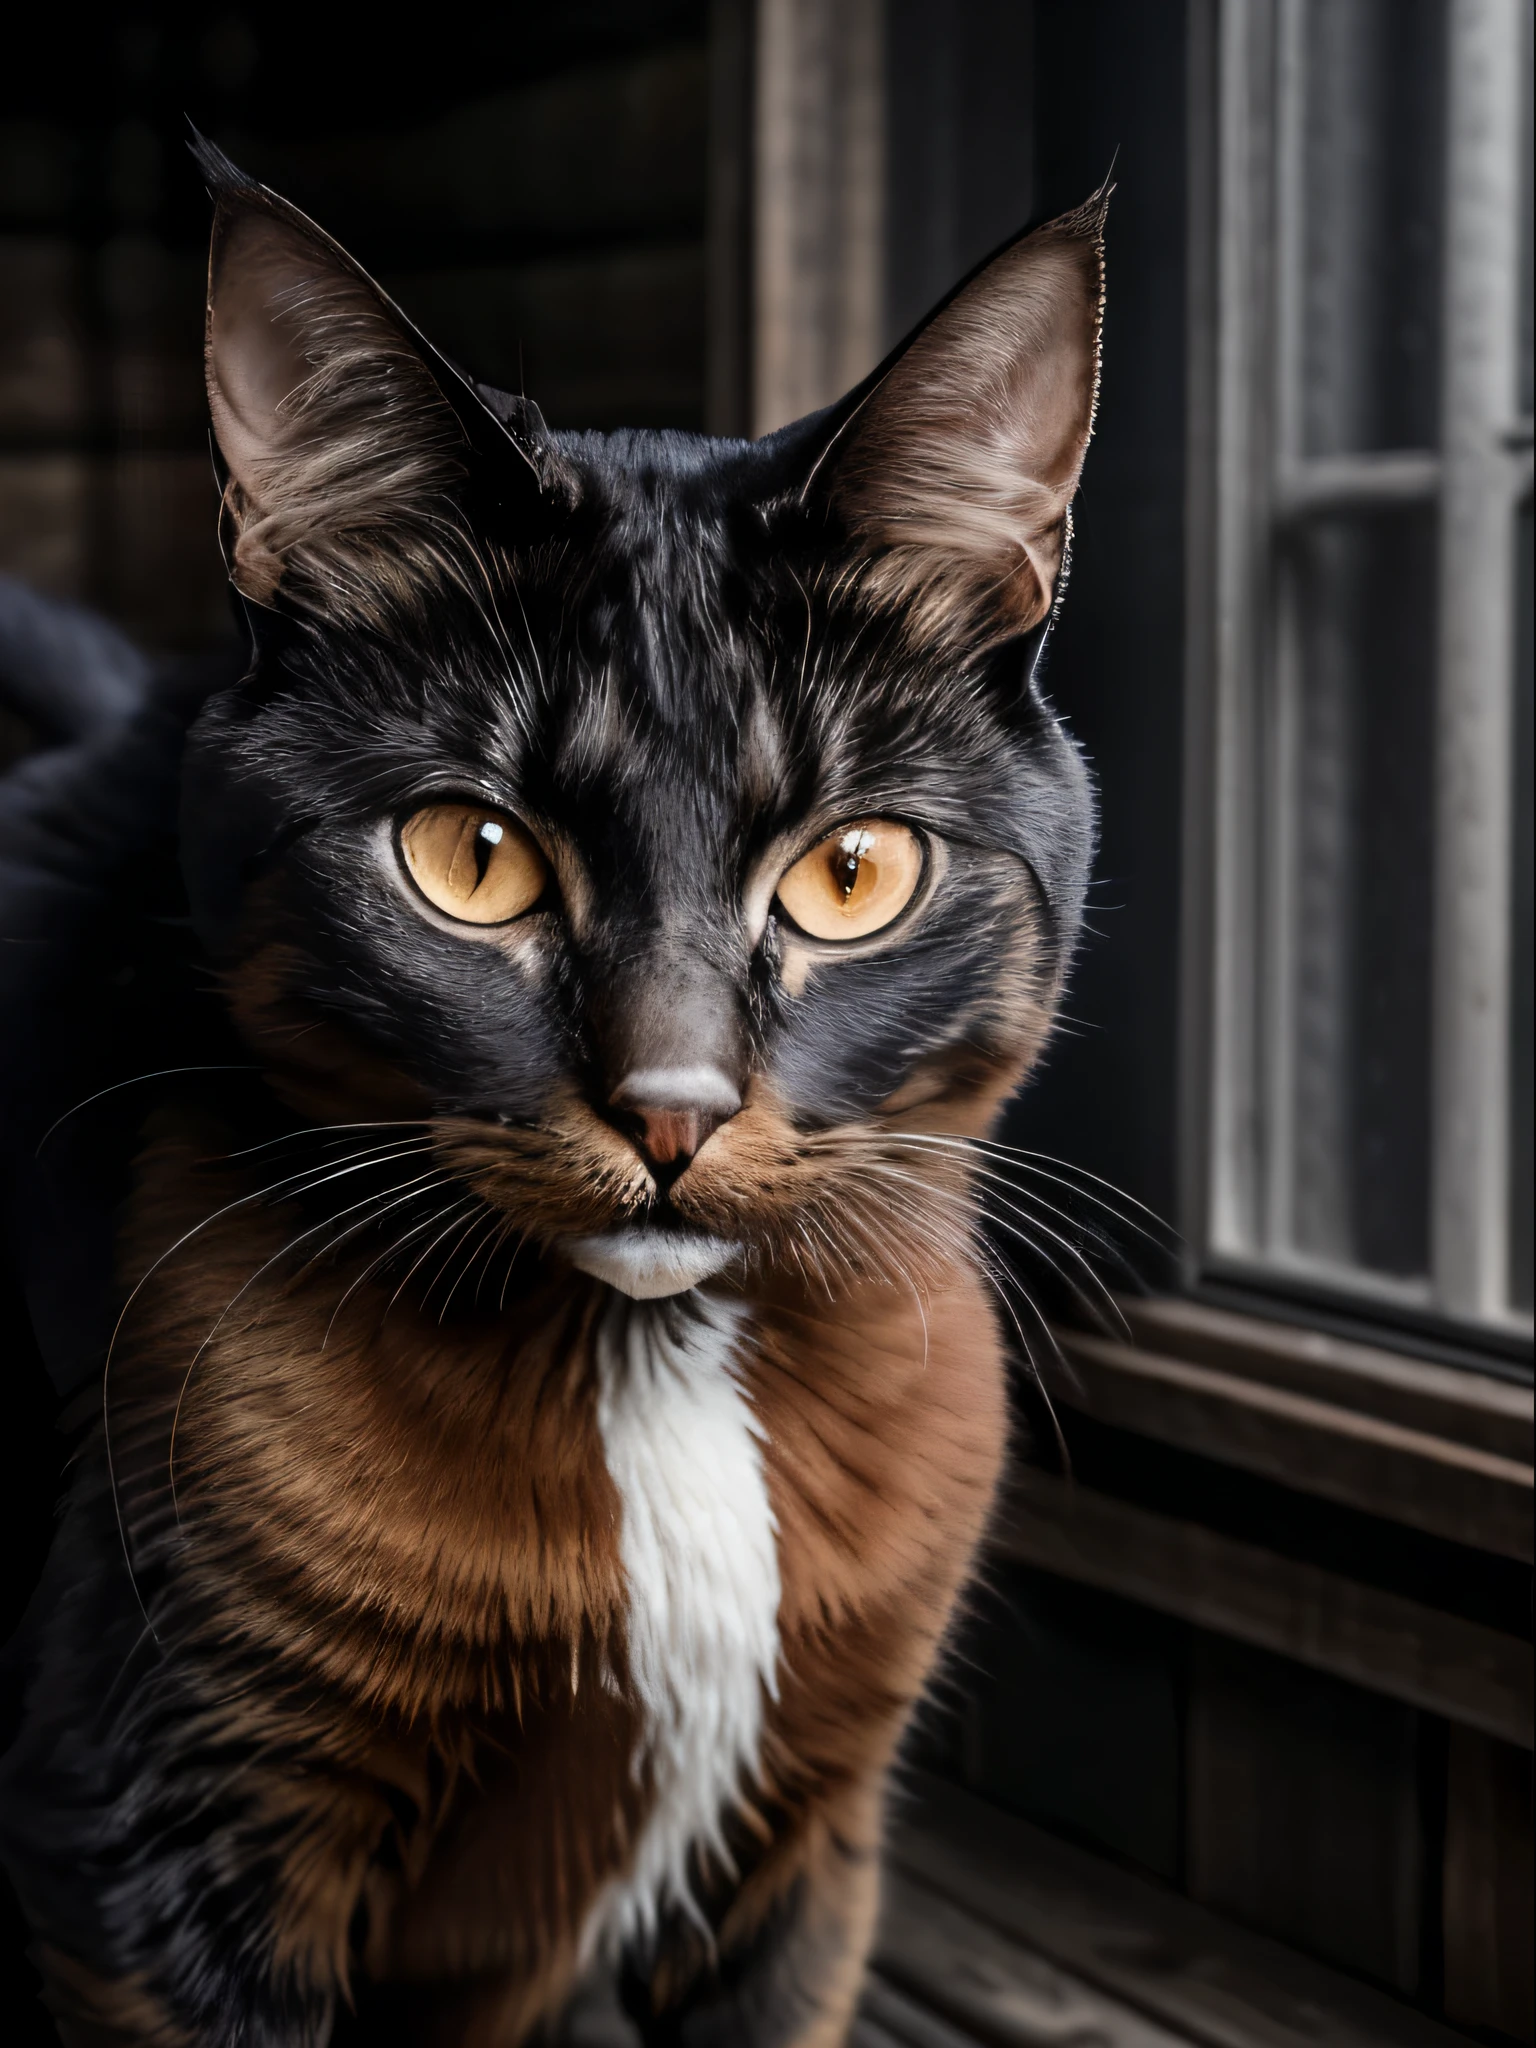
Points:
(1363, 592)
(1522, 1150)
(1372, 177)
(1523, 299)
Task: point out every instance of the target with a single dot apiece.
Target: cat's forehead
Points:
(667, 648)
(678, 704)
(697, 607)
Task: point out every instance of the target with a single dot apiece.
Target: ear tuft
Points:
(959, 468)
(344, 455)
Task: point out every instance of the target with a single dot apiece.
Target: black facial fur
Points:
(657, 651)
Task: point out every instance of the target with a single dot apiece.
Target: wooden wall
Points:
(530, 182)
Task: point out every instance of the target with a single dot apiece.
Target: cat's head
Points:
(673, 825)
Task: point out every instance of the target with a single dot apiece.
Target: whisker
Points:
(1000, 1279)
(1025, 1161)
(290, 1182)
(1039, 1162)
(325, 1130)
(934, 1230)
(159, 1074)
(453, 1214)
(384, 1257)
(496, 1237)
(991, 1276)
(434, 1177)
(369, 1202)
(1085, 1301)
(477, 1221)
(1115, 1316)
(1100, 1238)
(227, 1209)
(838, 1255)
(506, 1278)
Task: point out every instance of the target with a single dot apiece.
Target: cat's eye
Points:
(857, 880)
(472, 863)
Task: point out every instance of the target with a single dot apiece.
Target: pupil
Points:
(845, 871)
(847, 861)
(487, 838)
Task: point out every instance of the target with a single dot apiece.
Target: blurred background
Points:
(1237, 1743)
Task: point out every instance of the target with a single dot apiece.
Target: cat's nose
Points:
(672, 1110)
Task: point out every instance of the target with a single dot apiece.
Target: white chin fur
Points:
(646, 1264)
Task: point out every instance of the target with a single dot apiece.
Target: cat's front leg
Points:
(92, 2010)
(185, 1895)
(792, 1974)
(202, 1971)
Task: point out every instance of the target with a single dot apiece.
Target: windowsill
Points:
(1438, 1449)
(1471, 1408)
(1401, 1321)
(994, 1931)
(1381, 1640)
(1427, 1447)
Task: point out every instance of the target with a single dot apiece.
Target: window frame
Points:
(1248, 488)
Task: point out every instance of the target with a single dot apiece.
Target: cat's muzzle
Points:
(646, 1263)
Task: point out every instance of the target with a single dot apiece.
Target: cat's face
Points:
(672, 825)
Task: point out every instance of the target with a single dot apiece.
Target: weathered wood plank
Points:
(947, 1976)
(1430, 1482)
(889, 2018)
(1486, 1894)
(1302, 1809)
(818, 228)
(1376, 1639)
(1475, 1408)
(1149, 1950)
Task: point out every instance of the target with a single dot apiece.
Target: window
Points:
(1363, 879)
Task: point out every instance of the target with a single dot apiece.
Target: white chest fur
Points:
(699, 1551)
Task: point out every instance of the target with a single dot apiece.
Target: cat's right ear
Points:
(348, 441)
(955, 464)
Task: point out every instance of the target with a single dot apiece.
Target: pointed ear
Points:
(958, 469)
(346, 452)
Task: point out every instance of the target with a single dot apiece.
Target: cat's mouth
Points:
(647, 1261)
(828, 1210)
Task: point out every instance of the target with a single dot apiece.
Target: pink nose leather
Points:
(673, 1110)
(669, 1134)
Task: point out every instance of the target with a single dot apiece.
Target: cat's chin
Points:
(648, 1264)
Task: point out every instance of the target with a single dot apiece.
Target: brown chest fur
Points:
(404, 1534)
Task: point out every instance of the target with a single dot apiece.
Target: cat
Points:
(556, 1400)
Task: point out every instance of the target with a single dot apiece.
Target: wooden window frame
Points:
(1247, 485)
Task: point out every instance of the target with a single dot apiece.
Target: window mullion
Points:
(1350, 483)
(1473, 822)
(1242, 624)
(1280, 994)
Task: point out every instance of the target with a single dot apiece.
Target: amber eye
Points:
(471, 863)
(855, 881)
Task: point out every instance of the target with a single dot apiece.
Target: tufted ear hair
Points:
(957, 467)
(346, 436)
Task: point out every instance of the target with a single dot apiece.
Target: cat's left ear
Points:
(956, 468)
(348, 439)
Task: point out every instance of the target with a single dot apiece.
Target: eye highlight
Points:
(855, 882)
(473, 864)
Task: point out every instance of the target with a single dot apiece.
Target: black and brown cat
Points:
(555, 1407)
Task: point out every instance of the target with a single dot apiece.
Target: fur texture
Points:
(432, 1628)
(697, 1541)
